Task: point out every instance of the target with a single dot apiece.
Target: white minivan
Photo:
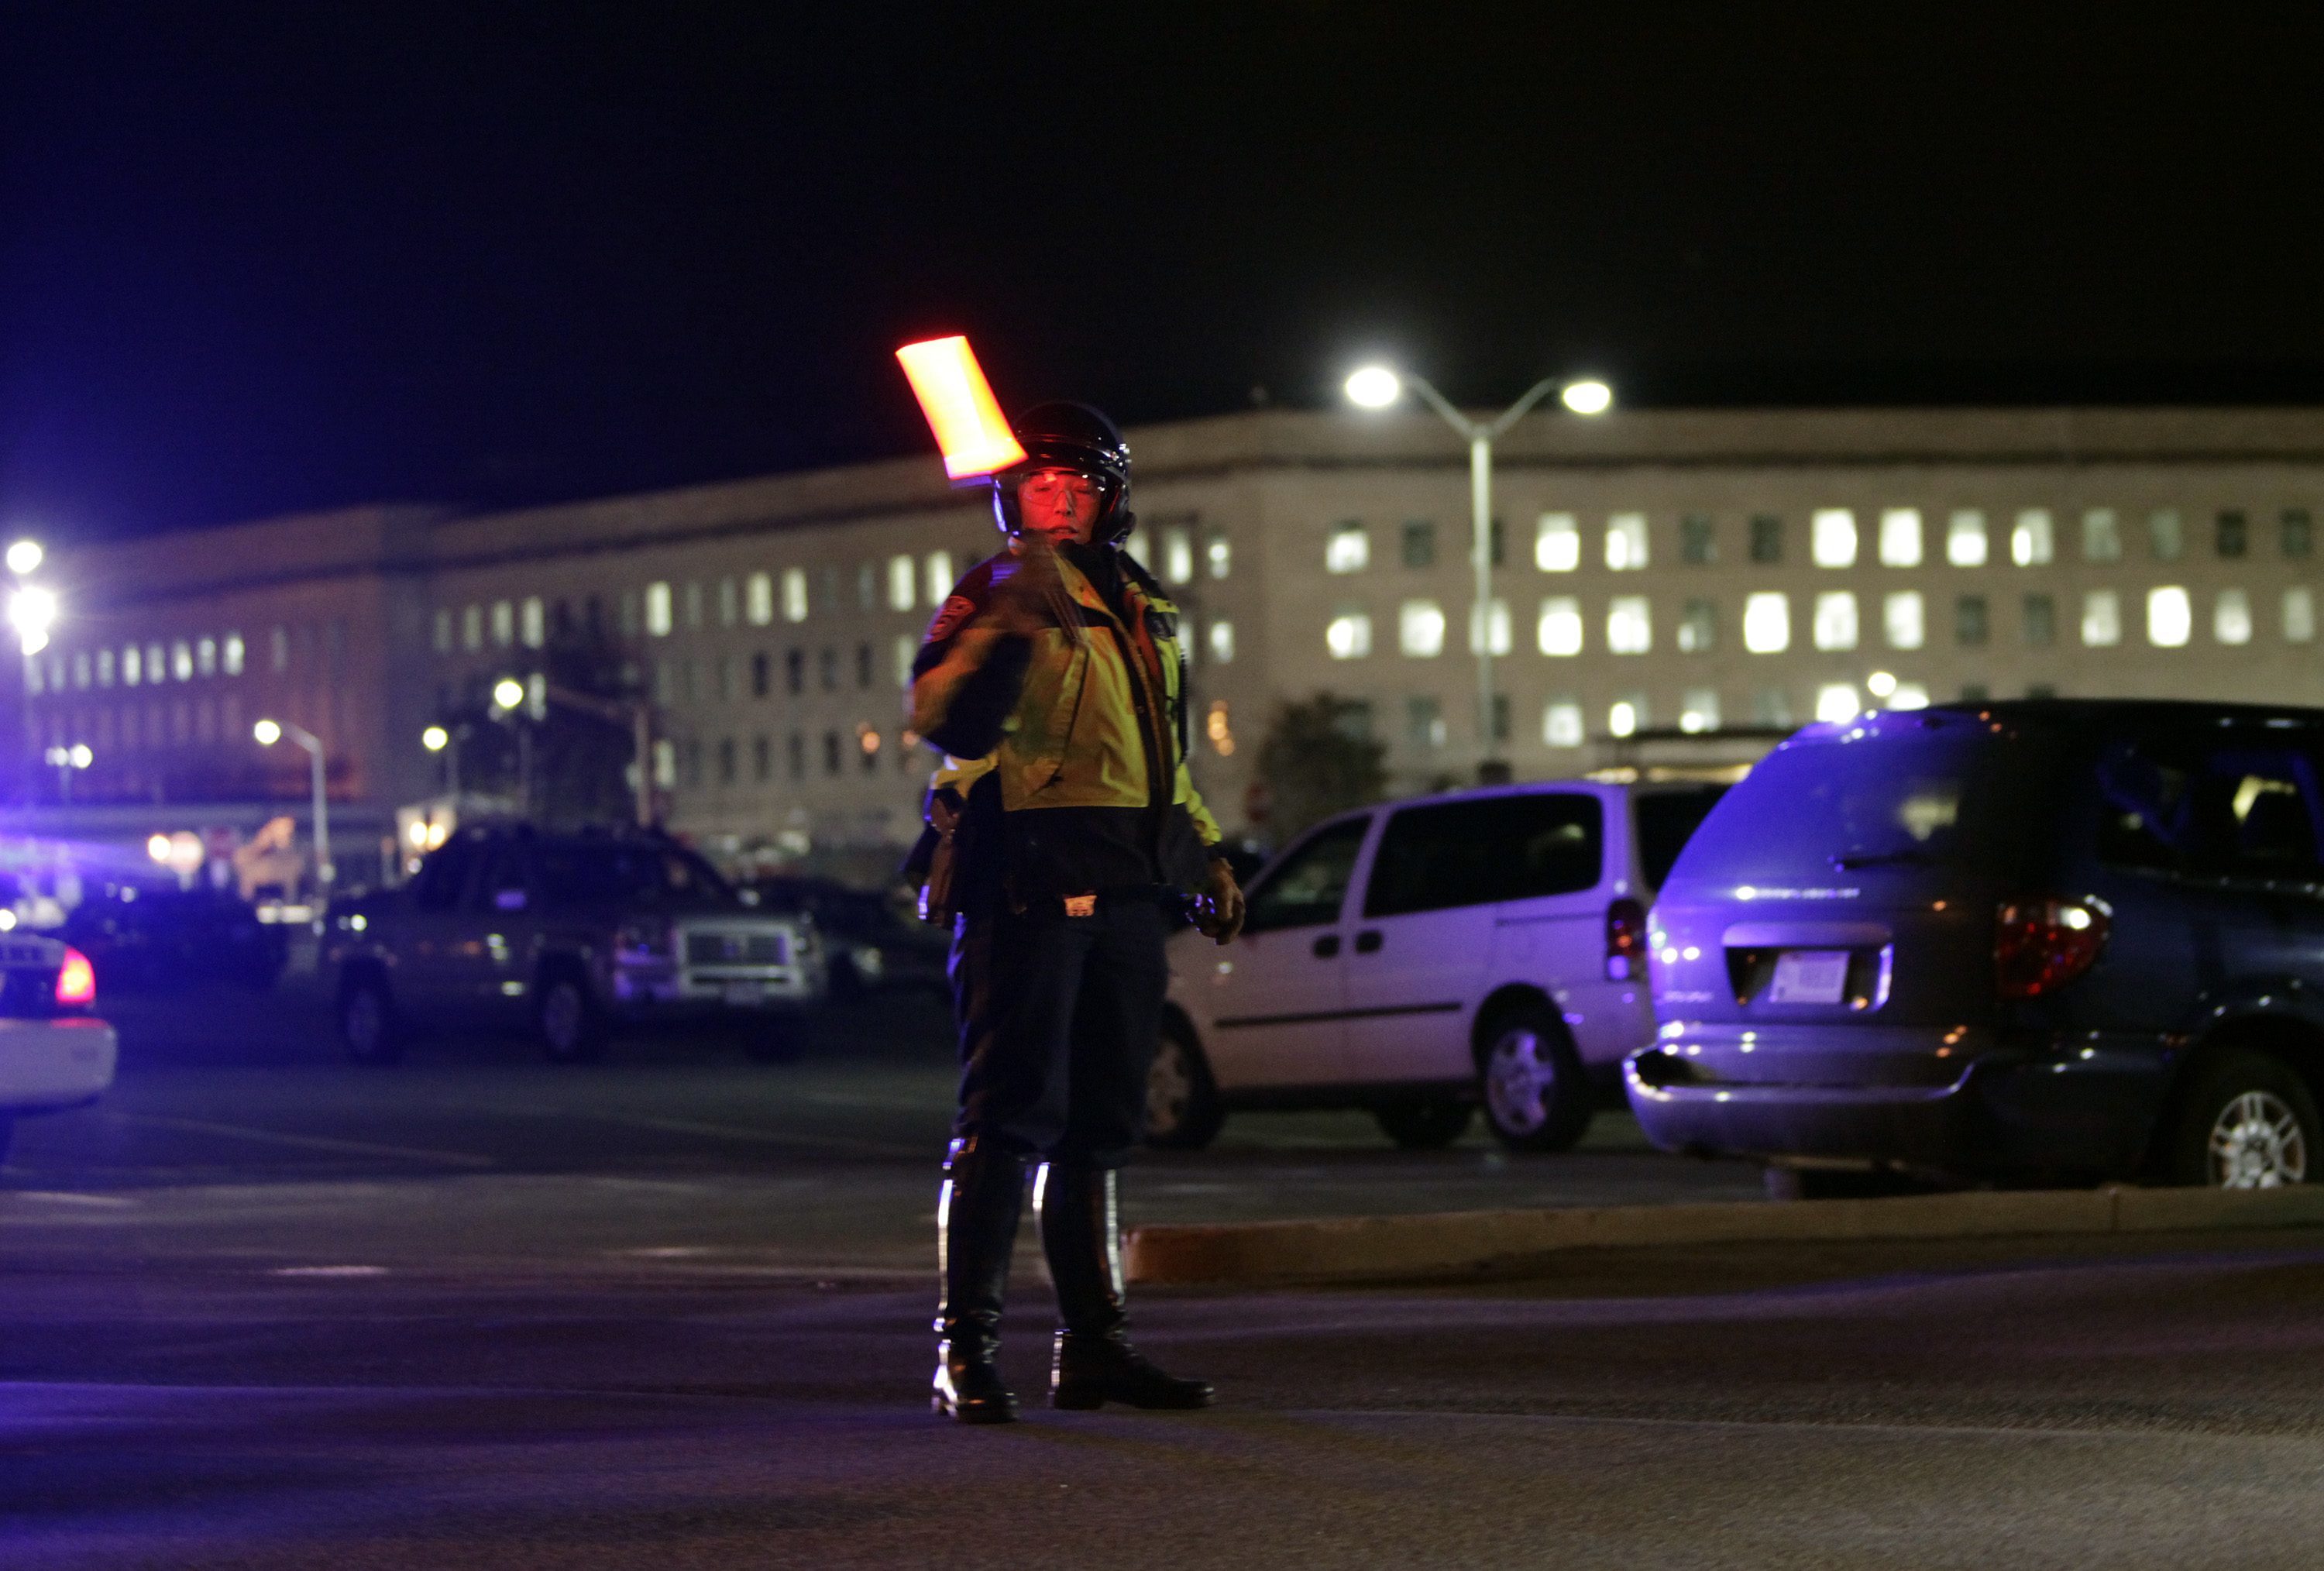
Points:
(1423, 958)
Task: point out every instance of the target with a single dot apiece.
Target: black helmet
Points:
(1069, 436)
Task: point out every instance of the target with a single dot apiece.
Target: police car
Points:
(54, 1052)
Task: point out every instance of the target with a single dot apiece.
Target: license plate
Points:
(746, 993)
(1810, 976)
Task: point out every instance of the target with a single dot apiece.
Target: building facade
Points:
(1654, 571)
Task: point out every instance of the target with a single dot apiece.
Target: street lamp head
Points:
(81, 756)
(1589, 396)
(268, 733)
(32, 612)
(24, 557)
(1374, 387)
(435, 739)
(508, 693)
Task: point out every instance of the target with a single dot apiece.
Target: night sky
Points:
(255, 259)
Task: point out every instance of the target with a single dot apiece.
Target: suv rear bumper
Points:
(2085, 1109)
(47, 1066)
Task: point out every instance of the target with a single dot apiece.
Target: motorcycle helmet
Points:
(1069, 436)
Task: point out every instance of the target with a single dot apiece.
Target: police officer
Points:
(1051, 680)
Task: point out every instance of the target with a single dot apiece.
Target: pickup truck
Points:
(573, 935)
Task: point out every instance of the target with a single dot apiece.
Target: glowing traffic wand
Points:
(962, 411)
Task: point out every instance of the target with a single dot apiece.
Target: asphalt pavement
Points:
(261, 1308)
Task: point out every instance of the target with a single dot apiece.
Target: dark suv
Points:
(2049, 940)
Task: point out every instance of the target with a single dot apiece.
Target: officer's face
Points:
(1058, 503)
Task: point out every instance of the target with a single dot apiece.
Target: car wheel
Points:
(773, 1041)
(2248, 1123)
(1425, 1123)
(368, 1023)
(1181, 1105)
(566, 1019)
(1530, 1083)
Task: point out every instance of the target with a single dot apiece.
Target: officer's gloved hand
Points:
(1222, 906)
(1028, 588)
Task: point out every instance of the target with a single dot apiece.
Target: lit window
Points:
(1557, 543)
(2101, 618)
(1178, 553)
(1626, 716)
(795, 593)
(2166, 536)
(907, 648)
(1560, 629)
(903, 583)
(181, 661)
(1350, 635)
(1348, 549)
(657, 617)
(443, 629)
(1899, 538)
(1136, 545)
(131, 666)
(1561, 723)
(1495, 620)
(1218, 553)
(2031, 542)
(1699, 711)
(105, 669)
(1831, 537)
(1698, 628)
(1222, 643)
(2299, 616)
(206, 656)
(533, 620)
(1835, 619)
(2231, 617)
(80, 669)
(2101, 536)
(1766, 623)
(1909, 696)
(472, 629)
(936, 577)
(759, 598)
(1420, 629)
(730, 607)
(1904, 619)
(1964, 545)
(1629, 625)
(2169, 616)
(1836, 703)
(1626, 542)
(503, 623)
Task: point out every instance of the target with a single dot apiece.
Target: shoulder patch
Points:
(956, 610)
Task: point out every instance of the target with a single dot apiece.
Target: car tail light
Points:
(1625, 939)
(2041, 945)
(76, 981)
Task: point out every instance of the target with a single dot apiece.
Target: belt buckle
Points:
(1081, 905)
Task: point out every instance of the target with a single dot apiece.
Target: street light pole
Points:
(268, 733)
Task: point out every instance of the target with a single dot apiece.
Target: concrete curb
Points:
(1465, 1243)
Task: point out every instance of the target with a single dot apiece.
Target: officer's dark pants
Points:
(1058, 1017)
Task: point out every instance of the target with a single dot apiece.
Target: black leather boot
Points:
(976, 1228)
(1096, 1363)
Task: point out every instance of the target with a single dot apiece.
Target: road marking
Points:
(771, 1136)
(62, 1198)
(328, 1271)
(321, 1143)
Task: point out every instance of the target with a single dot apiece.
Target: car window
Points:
(1665, 819)
(2228, 811)
(445, 873)
(574, 872)
(1485, 850)
(1307, 887)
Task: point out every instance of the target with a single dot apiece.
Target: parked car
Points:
(2046, 941)
(575, 934)
(55, 1053)
(872, 944)
(158, 938)
(1425, 957)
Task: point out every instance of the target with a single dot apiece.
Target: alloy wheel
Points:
(2257, 1143)
(1520, 1074)
(1169, 1088)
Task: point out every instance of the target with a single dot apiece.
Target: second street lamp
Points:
(1377, 387)
(270, 732)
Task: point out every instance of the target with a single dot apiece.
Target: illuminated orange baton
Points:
(960, 406)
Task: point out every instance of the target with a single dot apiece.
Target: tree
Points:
(1317, 759)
